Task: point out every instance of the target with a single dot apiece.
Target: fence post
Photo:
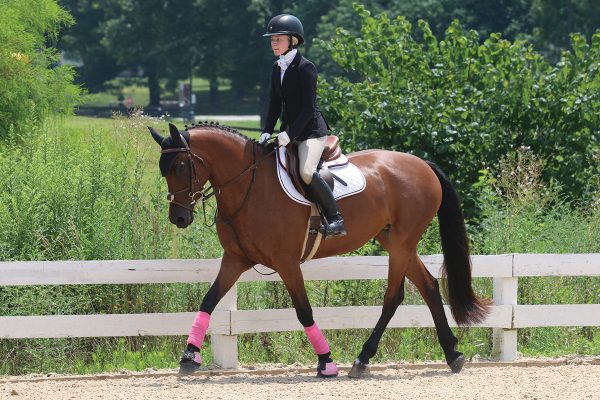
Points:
(224, 347)
(505, 340)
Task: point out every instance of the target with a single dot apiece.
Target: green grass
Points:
(86, 188)
(107, 126)
(229, 103)
(134, 88)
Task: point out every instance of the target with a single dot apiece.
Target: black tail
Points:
(466, 307)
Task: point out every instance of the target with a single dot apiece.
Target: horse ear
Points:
(155, 135)
(175, 134)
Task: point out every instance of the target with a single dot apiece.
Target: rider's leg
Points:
(309, 154)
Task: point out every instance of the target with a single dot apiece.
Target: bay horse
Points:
(257, 223)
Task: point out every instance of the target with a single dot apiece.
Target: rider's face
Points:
(280, 44)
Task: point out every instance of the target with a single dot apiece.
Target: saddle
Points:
(350, 178)
(332, 157)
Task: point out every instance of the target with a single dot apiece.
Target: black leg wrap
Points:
(192, 348)
(325, 358)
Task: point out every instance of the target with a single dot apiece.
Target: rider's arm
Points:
(274, 105)
(308, 77)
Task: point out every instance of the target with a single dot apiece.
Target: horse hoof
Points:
(456, 365)
(359, 370)
(329, 370)
(190, 363)
(188, 368)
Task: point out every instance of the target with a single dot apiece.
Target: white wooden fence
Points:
(227, 322)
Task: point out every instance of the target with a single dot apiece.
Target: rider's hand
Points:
(283, 138)
(264, 137)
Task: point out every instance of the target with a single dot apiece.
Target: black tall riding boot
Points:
(324, 197)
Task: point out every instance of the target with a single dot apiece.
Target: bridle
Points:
(206, 192)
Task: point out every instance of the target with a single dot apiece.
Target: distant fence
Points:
(227, 322)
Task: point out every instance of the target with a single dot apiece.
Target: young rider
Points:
(294, 88)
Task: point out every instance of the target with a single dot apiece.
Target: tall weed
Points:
(523, 216)
(88, 193)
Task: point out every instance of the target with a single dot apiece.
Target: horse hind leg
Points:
(394, 296)
(430, 291)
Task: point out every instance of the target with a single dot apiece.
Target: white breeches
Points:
(309, 154)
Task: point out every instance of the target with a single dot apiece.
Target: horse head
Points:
(186, 174)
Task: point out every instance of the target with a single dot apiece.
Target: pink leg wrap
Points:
(199, 328)
(316, 338)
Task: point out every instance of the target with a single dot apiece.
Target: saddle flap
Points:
(292, 164)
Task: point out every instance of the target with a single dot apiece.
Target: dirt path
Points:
(555, 379)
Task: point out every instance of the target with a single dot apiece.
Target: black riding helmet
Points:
(286, 24)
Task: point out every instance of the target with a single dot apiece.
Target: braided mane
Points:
(221, 129)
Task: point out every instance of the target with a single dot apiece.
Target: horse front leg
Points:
(294, 283)
(229, 272)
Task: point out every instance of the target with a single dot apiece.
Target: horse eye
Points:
(180, 169)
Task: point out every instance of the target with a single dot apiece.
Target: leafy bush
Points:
(32, 87)
(464, 104)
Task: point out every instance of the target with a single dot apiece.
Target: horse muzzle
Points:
(180, 216)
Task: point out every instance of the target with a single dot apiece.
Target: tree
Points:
(84, 41)
(154, 34)
(555, 20)
(32, 87)
(226, 46)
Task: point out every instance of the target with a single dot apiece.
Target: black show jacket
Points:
(295, 101)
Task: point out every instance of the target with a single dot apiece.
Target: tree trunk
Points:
(153, 87)
(214, 93)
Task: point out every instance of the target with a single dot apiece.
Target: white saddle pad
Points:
(349, 173)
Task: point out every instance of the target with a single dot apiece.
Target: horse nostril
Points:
(181, 221)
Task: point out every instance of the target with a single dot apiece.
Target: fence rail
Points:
(227, 322)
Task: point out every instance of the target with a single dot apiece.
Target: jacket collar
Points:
(293, 65)
(287, 58)
(296, 60)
